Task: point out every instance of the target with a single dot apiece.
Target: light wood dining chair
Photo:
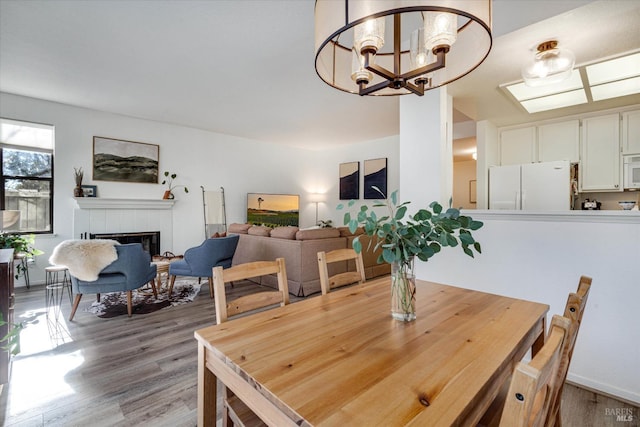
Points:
(236, 412)
(341, 279)
(529, 398)
(574, 309)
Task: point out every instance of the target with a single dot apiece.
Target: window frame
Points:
(50, 180)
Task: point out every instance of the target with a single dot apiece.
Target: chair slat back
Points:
(574, 309)
(529, 397)
(329, 282)
(249, 302)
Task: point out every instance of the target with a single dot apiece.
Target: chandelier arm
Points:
(367, 90)
(416, 89)
(374, 68)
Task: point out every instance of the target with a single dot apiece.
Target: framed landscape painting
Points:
(119, 160)
(349, 180)
(273, 210)
(375, 175)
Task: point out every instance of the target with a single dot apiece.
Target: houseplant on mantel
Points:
(422, 235)
(168, 179)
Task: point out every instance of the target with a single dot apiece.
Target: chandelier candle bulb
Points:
(369, 36)
(358, 73)
(441, 30)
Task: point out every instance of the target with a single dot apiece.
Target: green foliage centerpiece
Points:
(422, 235)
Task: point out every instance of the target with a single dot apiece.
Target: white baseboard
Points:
(627, 396)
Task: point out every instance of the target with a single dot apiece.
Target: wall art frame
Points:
(349, 176)
(121, 160)
(273, 210)
(90, 190)
(375, 175)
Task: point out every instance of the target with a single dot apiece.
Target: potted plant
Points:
(21, 244)
(168, 179)
(422, 235)
(78, 175)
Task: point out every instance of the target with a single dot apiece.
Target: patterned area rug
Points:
(115, 304)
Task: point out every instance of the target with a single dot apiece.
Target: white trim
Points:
(102, 203)
(621, 216)
(629, 396)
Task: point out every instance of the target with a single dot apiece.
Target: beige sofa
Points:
(299, 248)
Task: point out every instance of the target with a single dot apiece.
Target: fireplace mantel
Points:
(104, 203)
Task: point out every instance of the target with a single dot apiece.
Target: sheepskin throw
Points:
(85, 258)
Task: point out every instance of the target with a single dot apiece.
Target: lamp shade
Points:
(461, 28)
(317, 197)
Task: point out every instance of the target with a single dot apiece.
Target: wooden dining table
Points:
(341, 360)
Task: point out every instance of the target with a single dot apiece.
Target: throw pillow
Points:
(288, 232)
(239, 228)
(216, 235)
(259, 230)
(320, 233)
(344, 231)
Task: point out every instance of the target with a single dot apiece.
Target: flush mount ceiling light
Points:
(549, 65)
(386, 47)
(587, 83)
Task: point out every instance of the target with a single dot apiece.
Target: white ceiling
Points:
(245, 67)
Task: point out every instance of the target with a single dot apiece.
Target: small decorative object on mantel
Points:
(78, 174)
(169, 177)
(422, 235)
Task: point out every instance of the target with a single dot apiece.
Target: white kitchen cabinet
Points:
(631, 132)
(517, 146)
(600, 154)
(559, 141)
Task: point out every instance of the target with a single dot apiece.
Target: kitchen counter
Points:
(610, 216)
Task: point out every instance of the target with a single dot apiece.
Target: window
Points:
(26, 187)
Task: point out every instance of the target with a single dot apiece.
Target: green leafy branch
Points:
(168, 180)
(422, 235)
(12, 338)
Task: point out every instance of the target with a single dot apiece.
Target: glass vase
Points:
(403, 291)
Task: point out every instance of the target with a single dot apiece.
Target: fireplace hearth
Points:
(150, 240)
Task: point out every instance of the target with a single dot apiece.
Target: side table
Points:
(57, 280)
(162, 268)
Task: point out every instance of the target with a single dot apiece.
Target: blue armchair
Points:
(200, 260)
(132, 270)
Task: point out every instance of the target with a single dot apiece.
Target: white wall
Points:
(541, 261)
(200, 158)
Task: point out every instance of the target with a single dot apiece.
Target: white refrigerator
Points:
(531, 187)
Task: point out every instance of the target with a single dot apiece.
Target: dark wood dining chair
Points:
(341, 279)
(236, 412)
(529, 397)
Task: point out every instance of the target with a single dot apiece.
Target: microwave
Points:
(631, 171)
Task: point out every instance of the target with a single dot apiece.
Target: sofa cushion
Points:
(319, 233)
(345, 232)
(259, 230)
(288, 232)
(239, 228)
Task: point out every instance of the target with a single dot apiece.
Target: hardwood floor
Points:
(142, 370)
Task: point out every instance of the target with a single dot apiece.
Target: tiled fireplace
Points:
(119, 218)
